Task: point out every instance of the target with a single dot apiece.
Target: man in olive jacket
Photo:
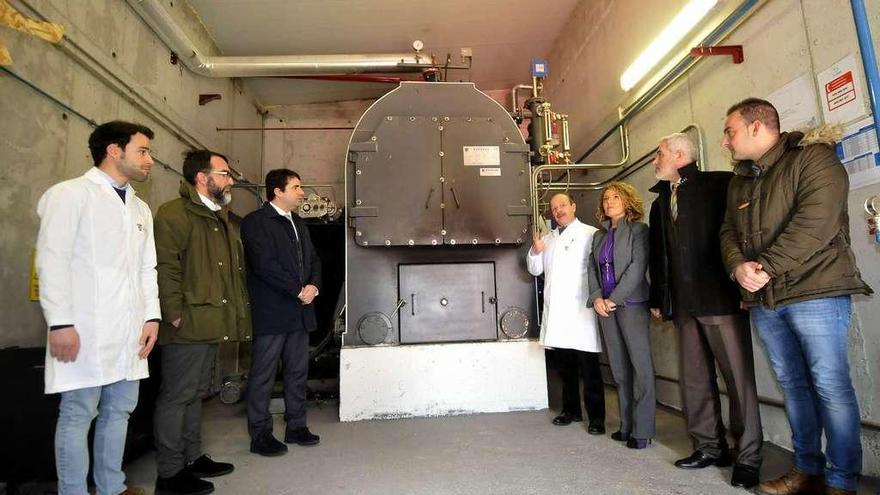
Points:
(785, 239)
(689, 285)
(203, 294)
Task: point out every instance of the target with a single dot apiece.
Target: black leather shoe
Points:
(620, 436)
(183, 483)
(301, 436)
(700, 459)
(567, 418)
(205, 467)
(638, 443)
(744, 476)
(268, 446)
(596, 428)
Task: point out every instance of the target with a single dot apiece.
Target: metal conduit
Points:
(91, 122)
(239, 182)
(568, 167)
(737, 17)
(762, 399)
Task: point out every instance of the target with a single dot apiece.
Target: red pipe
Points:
(735, 51)
(349, 78)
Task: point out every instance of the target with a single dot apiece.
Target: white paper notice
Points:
(481, 156)
(860, 154)
(490, 171)
(842, 98)
(796, 104)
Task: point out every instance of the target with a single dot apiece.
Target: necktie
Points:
(673, 201)
(296, 245)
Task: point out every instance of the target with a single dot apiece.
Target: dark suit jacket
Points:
(687, 272)
(274, 276)
(630, 262)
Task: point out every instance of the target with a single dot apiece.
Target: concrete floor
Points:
(509, 453)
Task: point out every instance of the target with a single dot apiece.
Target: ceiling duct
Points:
(155, 15)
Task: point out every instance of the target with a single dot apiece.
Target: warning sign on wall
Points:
(842, 99)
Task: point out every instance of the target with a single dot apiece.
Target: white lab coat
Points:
(568, 321)
(96, 262)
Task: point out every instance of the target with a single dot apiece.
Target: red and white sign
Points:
(840, 91)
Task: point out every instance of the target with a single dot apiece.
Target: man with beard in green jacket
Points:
(203, 294)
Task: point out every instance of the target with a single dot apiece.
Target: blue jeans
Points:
(112, 404)
(807, 346)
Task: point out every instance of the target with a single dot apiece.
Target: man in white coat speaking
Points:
(569, 324)
(96, 261)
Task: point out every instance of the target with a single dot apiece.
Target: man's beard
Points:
(220, 196)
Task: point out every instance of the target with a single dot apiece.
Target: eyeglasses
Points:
(224, 173)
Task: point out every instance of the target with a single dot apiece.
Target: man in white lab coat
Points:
(569, 324)
(96, 262)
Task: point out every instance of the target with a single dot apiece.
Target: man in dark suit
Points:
(690, 286)
(284, 274)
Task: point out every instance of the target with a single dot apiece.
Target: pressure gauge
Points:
(418, 45)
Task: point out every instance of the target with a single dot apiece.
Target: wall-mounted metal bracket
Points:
(735, 51)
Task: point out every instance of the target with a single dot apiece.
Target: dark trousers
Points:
(292, 350)
(575, 366)
(727, 340)
(628, 341)
(177, 423)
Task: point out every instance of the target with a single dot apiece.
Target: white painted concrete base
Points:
(441, 379)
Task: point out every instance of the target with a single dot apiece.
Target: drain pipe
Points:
(160, 21)
(869, 59)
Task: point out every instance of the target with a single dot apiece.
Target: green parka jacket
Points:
(201, 266)
(788, 212)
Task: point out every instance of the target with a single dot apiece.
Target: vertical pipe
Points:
(869, 59)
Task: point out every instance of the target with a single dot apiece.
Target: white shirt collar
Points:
(570, 224)
(280, 211)
(210, 204)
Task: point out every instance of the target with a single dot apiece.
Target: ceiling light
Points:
(690, 16)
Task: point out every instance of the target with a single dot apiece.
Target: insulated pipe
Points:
(364, 78)
(869, 59)
(155, 15)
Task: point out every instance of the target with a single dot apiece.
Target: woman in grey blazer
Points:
(619, 294)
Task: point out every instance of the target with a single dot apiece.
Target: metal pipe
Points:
(284, 128)
(869, 59)
(737, 17)
(155, 16)
(365, 78)
(763, 399)
(537, 171)
(91, 122)
(513, 96)
(634, 167)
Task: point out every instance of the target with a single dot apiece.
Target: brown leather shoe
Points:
(794, 482)
(830, 490)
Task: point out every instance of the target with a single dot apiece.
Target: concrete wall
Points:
(782, 40)
(111, 66)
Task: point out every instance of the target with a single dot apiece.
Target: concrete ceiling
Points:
(503, 34)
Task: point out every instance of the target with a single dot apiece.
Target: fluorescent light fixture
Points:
(690, 16)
